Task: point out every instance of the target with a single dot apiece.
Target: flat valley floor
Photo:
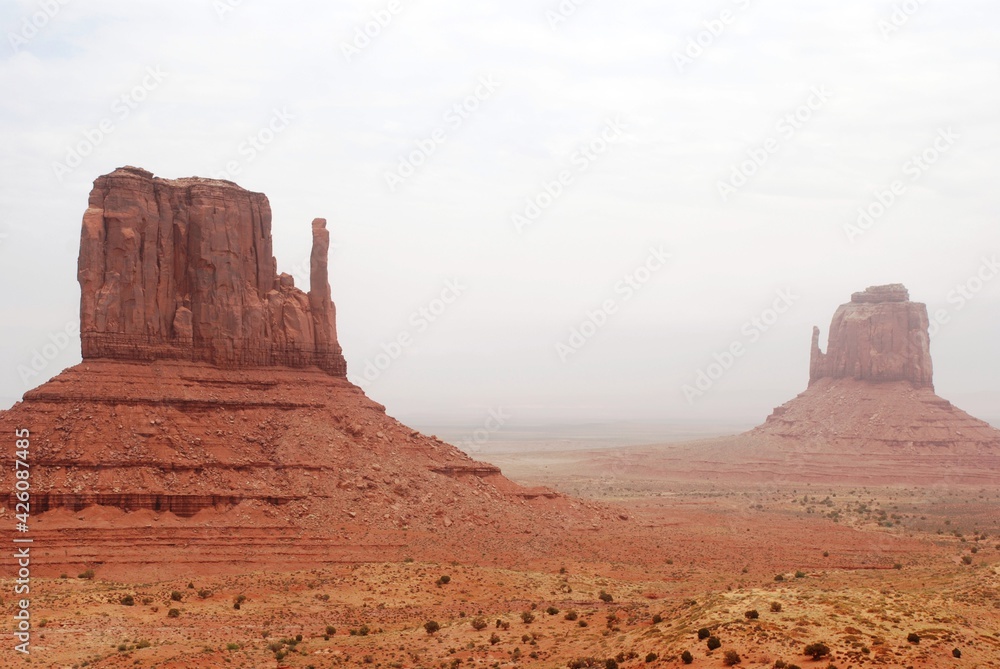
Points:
(881, 576)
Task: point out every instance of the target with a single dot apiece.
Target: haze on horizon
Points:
(529, 166)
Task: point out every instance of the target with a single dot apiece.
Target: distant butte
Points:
(878, 336)
(868, 416)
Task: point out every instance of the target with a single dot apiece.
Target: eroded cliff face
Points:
(878, 336)
(183, 269)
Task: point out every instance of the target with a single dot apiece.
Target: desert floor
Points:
(859, 569)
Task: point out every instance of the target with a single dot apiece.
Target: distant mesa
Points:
(183, 269)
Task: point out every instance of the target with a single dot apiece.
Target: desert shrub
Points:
(582, 623)
(176, 596)
(204, 593)
(956, 653)
(232, 646)
(703, 633)
(800, 574)
(752, 614)
(494, 638)
(431, 626)
(479, 624)
(331, 630)
(775, 607)
(528, 617)
(966, 559)
(611, 663)
(817, 650)
(913, 637)
(444, 580)
(779, 664)
(657, 619)
(651, 657)
(731, 658)
(687, 657)
(552, 610)
(298, 638)
(713, 642)
(88, 574)
(128, 600)
(605, 597)
(122, 648)
(570, 615)
(779, 578)
(143, 644)
(174, 613)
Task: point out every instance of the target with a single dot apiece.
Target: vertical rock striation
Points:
(878, 336)
(183, 269)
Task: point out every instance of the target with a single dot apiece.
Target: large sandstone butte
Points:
(868, 415)
(878, 336)
(211, 424)
(182, 269)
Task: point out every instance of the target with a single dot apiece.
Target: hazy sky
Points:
(517, 169)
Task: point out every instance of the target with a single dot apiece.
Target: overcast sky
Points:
(521, 160)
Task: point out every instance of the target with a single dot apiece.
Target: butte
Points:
(211, 425)
(868, 416)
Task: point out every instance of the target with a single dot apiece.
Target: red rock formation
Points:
(869, 415)
(183, 269)
(878, 336)
(212, 401)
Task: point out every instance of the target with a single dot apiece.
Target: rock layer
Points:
(878, 336)
(182, 269)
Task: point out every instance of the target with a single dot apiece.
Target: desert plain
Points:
(766, 568)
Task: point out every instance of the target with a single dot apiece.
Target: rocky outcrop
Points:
(146, 457)
(183, 269)
(878, 336)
